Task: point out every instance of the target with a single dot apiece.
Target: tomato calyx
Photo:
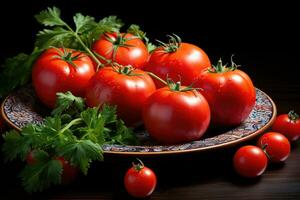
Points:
(220, 68)
(176, 86)
(139, 166)
(67, 56)
(264, 148)
(293, 116)
(172, 45)
(125, 70)
(118, 41)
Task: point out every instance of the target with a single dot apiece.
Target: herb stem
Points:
(157, 78)
(84, 46)
(71, 123)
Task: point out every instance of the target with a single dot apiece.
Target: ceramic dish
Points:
(22, 107)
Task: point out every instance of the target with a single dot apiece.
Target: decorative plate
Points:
(22, 107)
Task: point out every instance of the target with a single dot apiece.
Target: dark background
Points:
(263, 36)
(265, 40)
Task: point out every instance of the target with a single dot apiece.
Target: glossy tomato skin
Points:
(140, 183)
(231, 96)
(250, 161)
(173, 117)
(276, 145)
(135, 54)
(52, 74)
(127, 92)
(288, 127)
(183, 65)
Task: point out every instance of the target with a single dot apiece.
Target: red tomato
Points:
(250, 161)
(57, 70)
(276, 146)
(69, 172)
(229, 92)
(124, 87)
(30, 158)
(140, 181)
(122, 48)
(176, 115)
(288, 125)
(179, 61)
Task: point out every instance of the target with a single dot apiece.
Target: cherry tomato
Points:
(288, 125)
(179, 61)
(229, 92)
(61, 70)
(124, 87)
(140, 181)
(176, 114)
(250, 161)
(122, 48)
(276, 145)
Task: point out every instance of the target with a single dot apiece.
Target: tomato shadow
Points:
(275, 166)
(215, 130)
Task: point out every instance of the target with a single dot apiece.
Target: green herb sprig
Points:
(74, 132)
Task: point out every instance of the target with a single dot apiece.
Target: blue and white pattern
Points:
(21, 108)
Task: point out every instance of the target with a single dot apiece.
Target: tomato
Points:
(30, 158)
(276, 146)
(229, 92)
(140, 181)
(179, 61)
(288, 125)
(250, 161)
(122, 48)
(176, 114)
(69, 172)
(58, 70)
(125, 87)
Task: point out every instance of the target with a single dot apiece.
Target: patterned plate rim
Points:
(199, 149)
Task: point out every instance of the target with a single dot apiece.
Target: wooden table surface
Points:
(192, 176)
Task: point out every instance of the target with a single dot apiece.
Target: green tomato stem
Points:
(84, 46)
(157, 78)
(293, 115)
(177, 86)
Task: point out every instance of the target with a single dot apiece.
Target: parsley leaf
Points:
(107, 24)
(79, 140)
(57, 37)
(135, 30)
(109, 113)
(41, 175)
(81, 153)
(68, 103)
(50, 17)
(122, 135)
(13, 145)
(83, 23)
(95, 126)
(16, 71)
